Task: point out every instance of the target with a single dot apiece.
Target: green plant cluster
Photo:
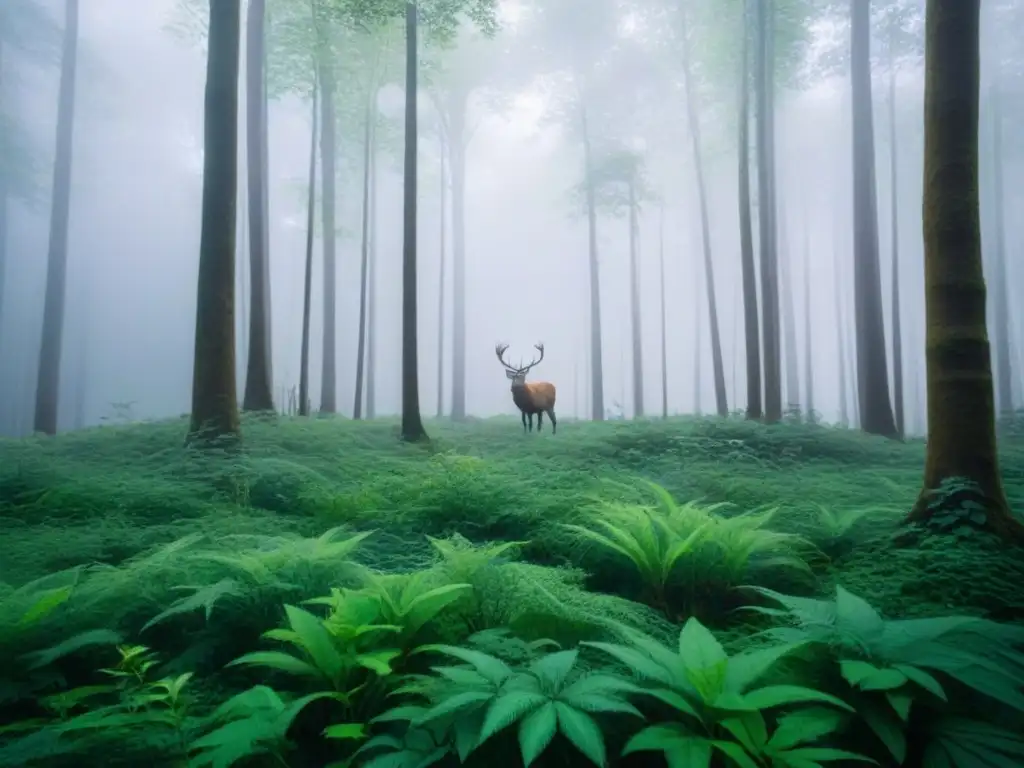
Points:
(505, 597)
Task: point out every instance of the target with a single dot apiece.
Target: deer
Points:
(537, 397)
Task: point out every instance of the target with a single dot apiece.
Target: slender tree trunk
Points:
(698, 344)
(898, 394)
(664, 334)
(961, 409)
(3, 217)
(844, 413)
(872, 367)
(214, 395)
(440, 288)
(259, 395)
(412, 423)
(596, 367)
(369, 121)
(307, 285)
(788, 319)
(808, 328)
(241, 277)
(1000, 291)
(48, 382)
(765, 68)
(751, 321)
(371, 290)
(634, 298)
(693, 118)
(328, 152)
(458, 140)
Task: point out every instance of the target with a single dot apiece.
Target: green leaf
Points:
(535, 732)
(804, 726)
(458, 703)
(283, 662)
(316, 641)
(378, 661)
(735, 753)
(868, 677)
(203, 597)
(495, 670)
(900, 701)
(698, 648)
(923, 679)
(781, 695)
(749, 729)
(681, 746)
(857, 620)
(675, 700)
(812, 755)
(88, 639)
(553, 670)
(748, 667)
(507, 708)
(888, 729)
(639, 663)
(584, 734)
(345, 731)
(47, 602)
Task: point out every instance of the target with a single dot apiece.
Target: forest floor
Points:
(152, 531)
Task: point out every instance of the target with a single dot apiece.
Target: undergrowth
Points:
(141, 583)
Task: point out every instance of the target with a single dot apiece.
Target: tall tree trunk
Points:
(872, 366)
(596, 366)
(48, 383)
(844, 413)
(1000, 294)
(808, 328)
(764, 92)
(369, 121)
(241, 277)
(664, 335)
(214, 395)
(457, 104)
(3, 217)
(371, 291)
(698, 345)
(328, 152)
(898, 395)
(961, 409)
(412, 423)
(634, 299)
(790, 357)
(693, 119)
(440, 287)
(307, 284)
(259, 395)
(751, 321)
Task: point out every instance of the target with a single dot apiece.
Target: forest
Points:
(266, 500)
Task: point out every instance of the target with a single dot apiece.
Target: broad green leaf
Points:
(900, 701)
(749, 729)
(748, 667)
(868, 677)
(47, 602)
(584, 734)
(698, 648)
(509, 707)
(553, 669)
(639, 663)
(781, 695)
(75, 643)
(735, 753)
(888, 728)
(316, 641)
(283, 662)
(345, 731)
(812, 755)
(455, 704)
(378, 661)
(495, 670)
(535, 732)
(804, 726)
(923, 679)
(682, 747)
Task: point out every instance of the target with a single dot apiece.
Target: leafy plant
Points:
(719, 707)
(894, 666)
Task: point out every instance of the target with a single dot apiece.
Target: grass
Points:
(213, 545)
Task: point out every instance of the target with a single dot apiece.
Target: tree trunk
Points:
(876, 415)
(371, 291)
(48, 383)
(1000, 295)
(898, 395)
(412, 423)
(369, 120)
(457, 140)
(259, 395)
(634, 299)
(328, 144)
(844, 413)
(751, 321)
(961, 410)
(664, 343)
(440, 288)
(698, 347)
(307, 285)
(788, 319)
(808, 328)
(764, 92)
(214, 395)
(596, 367)
(3, 218)
(693, 118)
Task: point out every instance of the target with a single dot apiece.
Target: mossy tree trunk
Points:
(412, 422)
(961, 408)
(48, 382)
(214, 395)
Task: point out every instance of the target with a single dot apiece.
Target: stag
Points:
(537, 397)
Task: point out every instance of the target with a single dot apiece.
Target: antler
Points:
(499, 350)
(539, 346)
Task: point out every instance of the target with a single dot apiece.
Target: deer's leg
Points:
(554, 421)
(540, 419)
(523, 413)
(529, 418)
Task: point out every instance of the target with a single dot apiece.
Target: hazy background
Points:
(134, 237)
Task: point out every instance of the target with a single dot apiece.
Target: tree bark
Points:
(307, 284)
(751, 321)
(371, 294)
(412, 423)
(3, 218)
(258, 395)
(790, 356)
(48, 383)
(808, 328)
(214, 395)
(634, 299)
(369, 121)
(1000, 295)
(457, 102)
(876, 415)
(664, 341)
(328, 145)
(844, 412)
(898, 394)
(961, 408)
(440, 282)
(596, 365)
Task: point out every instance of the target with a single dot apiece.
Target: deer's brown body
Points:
(535, 397)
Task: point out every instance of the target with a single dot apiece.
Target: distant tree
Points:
(961, 447)
(48, 383)
(214, 396)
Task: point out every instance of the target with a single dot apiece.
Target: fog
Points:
(135, 226)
